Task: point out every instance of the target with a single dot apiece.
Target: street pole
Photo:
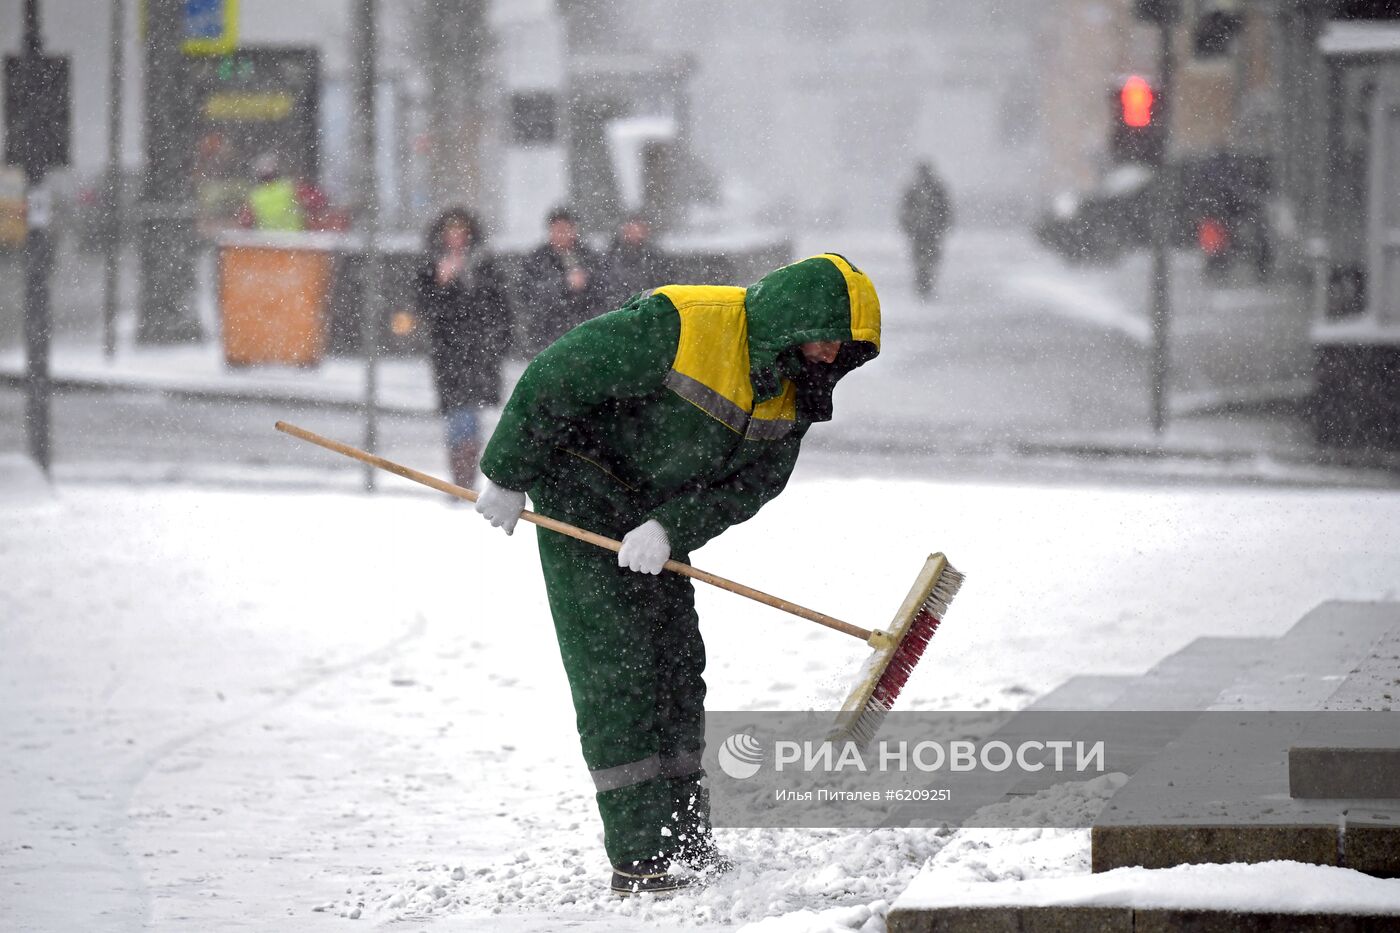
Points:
(167, 215)
(38, 260)
(367, 221)
(1163, 199)
(111, 272)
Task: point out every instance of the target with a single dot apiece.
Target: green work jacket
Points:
(688, 404)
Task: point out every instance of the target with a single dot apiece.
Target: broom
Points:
(881, 678)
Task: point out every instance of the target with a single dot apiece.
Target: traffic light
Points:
(1137, 122)
(37, 112)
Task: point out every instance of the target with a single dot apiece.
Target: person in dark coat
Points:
(561, 283)
(925, 214)
(462, 300)
(634, 263)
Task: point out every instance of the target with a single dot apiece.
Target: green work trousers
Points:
(632, 649)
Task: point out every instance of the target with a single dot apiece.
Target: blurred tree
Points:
(458, 43)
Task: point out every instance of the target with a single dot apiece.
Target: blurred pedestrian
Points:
(561, 283)
(272, 204)
(461, 298)
(925, 214)
(633, 262)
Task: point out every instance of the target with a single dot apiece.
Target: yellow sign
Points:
(211, 27)
(248, 107)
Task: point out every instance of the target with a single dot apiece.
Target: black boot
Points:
(647, 876)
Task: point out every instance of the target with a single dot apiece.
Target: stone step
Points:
(1185, 680)
(1086, 691)
(1374, 685)
(1189, 679)
(1371, 840)
(1220, 792)
(1350, 755)
(1357, 752)
(1193, 677)
(1128, 920)
(1312, 659)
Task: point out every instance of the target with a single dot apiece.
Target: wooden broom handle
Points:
(564, 528)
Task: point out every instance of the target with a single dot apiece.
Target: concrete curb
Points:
(1106, 448)
(1220, 792)
(1128, 920)
(268, 396)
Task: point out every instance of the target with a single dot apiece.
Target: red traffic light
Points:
(1137, 98)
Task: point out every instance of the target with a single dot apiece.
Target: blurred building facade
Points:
(76, 28)
(1253, 92)
(1308, 89)
(789, 113)
(818, 110)
(1231, 99)
(797, 111)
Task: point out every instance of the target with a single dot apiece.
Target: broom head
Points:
(896, 652)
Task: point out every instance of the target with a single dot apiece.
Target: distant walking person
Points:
(925, 214)
(461, 299)
(634, 264)
(562, 283)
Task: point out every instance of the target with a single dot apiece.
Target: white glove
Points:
(645, 548)
(500, 507)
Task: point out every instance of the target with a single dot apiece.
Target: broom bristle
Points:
(886, 672)
(906, 655)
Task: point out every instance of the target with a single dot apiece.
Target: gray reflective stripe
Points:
(683, 765)
(634, 772)
(594, 463)
(708, 400)
(765, 429)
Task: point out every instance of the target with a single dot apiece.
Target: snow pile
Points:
(1070, 805)
(1051, 867)
(1276, 887)
(865, 919)
(982, 856)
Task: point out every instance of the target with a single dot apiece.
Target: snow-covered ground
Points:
(269, 708)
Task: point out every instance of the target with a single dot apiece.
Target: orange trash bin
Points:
(273, 292)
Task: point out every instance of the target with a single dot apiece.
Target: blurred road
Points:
(1018, 356)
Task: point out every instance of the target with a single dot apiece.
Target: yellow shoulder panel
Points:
(779, 408)
(714, 342)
